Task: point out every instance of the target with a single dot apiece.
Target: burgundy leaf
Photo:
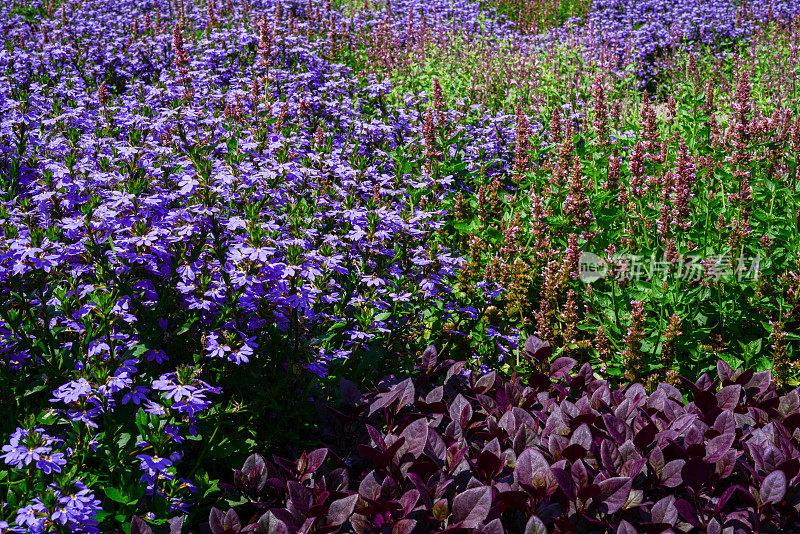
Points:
(409, 500)
(512, 499)
(430, 358)
(535, 526)
(489, 463)
(537, 349)
(341, 509)
(610, 456)
(579, 474)
(377, 437)
(392, 449)
(626, 528)
(404, 526)
(582, 436)
(687, 512)
(656, 460)
(460, 411)
(616, 427)
(315, 460)
(436, 395)
(695, 472)
(789, 403)
(175, 525)
(215, 519)
(407, 392)
(645, 436)
(416, 436)
(138, 526)
(728, 397)
(725, 422)
(370, 487)
(724, 370)
(726, 495)
(472, 506)
(350, 393)
(773, 488)
(561, 367)
(718, 446)
(565, 482)
(254, 464)
(760, 381)
(485, 382)
(231, 522)
(671, 474)
(384, 399)
(528, 464)
(492, 527)
(683, 422)
(300, 499)
(371, 454)
(664, 511)
(269, 524)
(632, 467)
(614, 492)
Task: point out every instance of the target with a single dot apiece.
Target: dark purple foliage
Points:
(449, 451)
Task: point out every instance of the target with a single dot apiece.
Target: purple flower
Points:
(49, 463)
(136, 395)
(23, 455)
(154, 464)
(32, 516)
(72, 391)
(192, 404)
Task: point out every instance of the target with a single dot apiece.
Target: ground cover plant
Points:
(559, 451)
(213, 213)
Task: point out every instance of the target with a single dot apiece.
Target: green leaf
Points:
(123, 440)
(11, 499)
(115, 495)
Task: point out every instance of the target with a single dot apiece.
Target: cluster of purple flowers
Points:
(33, 448)
(183, 189)
(74, 507)
(645, 31)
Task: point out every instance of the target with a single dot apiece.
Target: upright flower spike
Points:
(651, 135)
(637, 169)
(181, 59)
(211, 15)
(569, 318)
(429, 134)
(612, 182)
(265, 41)
(603, 344)
(600, 111)
(632, 355)
(438, 100)
(780, 357)
(556, 132)
(521, 151)
(102, 94)
(741, 157)
(566, 154)
(683, 188)
(577, 203)
(671, 334)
